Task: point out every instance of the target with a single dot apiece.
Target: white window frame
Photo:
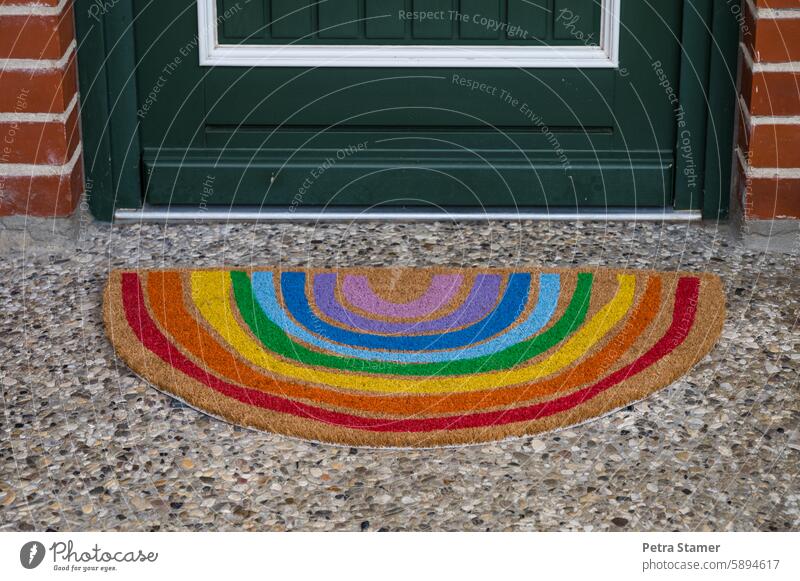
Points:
(606, 55)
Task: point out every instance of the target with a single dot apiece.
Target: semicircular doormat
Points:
(411, 357)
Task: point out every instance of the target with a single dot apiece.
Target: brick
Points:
(775, 198)
(45, 196)
(50, 3)
(771, 93)
(36, 37)
(775, 4)
(771, 146)
(38, 90)
(47, 143)
(772, 40)
(766, 198)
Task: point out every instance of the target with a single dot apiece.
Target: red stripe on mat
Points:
(152, 338)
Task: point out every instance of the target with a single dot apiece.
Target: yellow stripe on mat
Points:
(211, 292)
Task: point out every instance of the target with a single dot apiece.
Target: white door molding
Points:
(606, 55)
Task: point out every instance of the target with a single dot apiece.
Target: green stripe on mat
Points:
(277, 341)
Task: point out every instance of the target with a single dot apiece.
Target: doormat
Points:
(411, 357)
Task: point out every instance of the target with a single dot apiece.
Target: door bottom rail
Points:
(178, 214)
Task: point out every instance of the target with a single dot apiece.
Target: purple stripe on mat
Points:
(442, 289)
(482, 298)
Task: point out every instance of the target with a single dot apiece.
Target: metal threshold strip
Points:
(177, 214)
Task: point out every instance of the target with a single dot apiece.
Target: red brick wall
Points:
(767, 184)
(41, 171)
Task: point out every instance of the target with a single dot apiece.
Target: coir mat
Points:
(411, 357)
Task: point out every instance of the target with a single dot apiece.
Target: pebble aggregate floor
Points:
(87, 445)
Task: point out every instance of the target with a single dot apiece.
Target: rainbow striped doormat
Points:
(411, 357)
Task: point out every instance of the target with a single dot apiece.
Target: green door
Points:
(295, 103)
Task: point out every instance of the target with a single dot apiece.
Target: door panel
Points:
(291, 19)
(475, 18)
(400, 97)
(583, 137)
(528, 19)
(576, 20)
(438, 27)
(339, 19)
(560, 22)
(249, 23)
(379, 23)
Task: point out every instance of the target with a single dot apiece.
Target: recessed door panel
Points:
(491, 22)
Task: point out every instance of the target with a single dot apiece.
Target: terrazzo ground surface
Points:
(87, 445)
